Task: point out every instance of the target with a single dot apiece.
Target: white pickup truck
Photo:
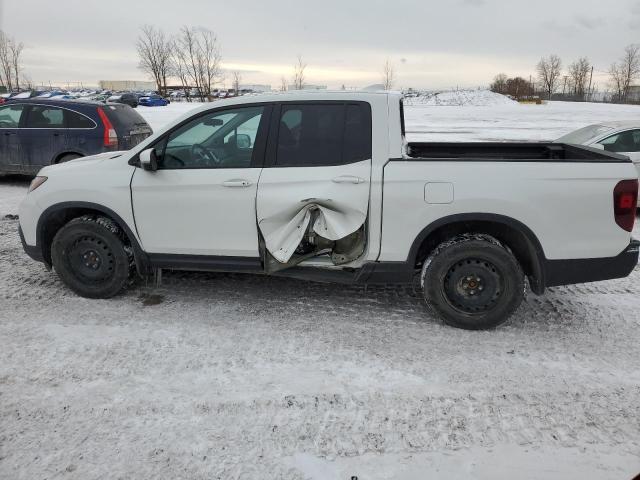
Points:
(324, 186)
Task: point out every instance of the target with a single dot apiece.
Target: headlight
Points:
(36, 182)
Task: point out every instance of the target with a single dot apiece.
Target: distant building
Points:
(308, 86)
(127, 85)
(256, 88)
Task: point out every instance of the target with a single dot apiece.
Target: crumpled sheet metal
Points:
(284, 230)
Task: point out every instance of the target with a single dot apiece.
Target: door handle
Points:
(9, 133)
(236, 183)
(56, 134)
(348, 179)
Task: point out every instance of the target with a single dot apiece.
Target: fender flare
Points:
(534, 246)
(140, 255)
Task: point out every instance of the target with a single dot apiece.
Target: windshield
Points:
(584, 134)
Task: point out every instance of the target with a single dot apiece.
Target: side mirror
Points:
(598, 146)
(243, 141)
(148, 159)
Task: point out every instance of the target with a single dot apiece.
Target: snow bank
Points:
(459, 98)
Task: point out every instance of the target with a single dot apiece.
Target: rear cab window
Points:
(323, 134)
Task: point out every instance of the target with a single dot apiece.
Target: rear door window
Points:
(10, 116)
(77, 120)
(45, 116)
(314, 135)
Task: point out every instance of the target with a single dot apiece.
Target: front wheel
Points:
(90, 256)
(473, 282)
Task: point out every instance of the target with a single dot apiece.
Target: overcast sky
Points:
(433, 44)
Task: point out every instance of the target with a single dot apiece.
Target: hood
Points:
(81, 162)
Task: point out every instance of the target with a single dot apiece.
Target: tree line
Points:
(575, 81)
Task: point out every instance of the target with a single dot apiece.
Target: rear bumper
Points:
(33, 251)
(567, 272)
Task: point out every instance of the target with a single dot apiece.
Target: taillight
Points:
(625, 200)
(110, 135)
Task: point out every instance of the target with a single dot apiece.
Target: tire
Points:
(90, 256)
(68, 156)
(473, 282)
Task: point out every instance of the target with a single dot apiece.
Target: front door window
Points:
(222, 139)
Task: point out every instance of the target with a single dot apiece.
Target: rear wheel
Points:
(90, 256)
(473, 282)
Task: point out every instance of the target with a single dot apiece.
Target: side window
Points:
(10, 116)
(76, 120)
(623, 142)
(310, 135)
(44, 116)
(222, 139)
(314, 135)
(357, 133)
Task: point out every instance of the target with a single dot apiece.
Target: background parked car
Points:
(618, 137)
(39, 132)
(153, 101)
(130, 99)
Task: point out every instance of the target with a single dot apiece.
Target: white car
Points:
(618, 137)
(323, 186)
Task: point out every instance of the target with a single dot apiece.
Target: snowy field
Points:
(247, 377)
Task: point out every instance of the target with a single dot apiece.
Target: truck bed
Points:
(511, 152)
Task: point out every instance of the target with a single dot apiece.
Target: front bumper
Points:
(34, 252)
(568, 272)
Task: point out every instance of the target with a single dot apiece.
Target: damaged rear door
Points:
(313, 194)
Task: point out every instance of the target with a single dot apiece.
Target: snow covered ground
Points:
(241, 376)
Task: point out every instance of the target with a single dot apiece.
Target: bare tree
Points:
(388, 75)
(155, 53)
(6, 69)
(200, 58)
(15, 48)
(499, 84)
(10, 61)
(178, 68)
(283, 84)
(298, 74)
(237, 78)
(549, 71)
(626, 71)
(616, 76)
(211, 58)
(579, 76)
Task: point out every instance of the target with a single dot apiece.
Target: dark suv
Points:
(130, 99)
(39, 132)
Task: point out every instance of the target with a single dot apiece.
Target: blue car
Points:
(153, 101)
(38, 132)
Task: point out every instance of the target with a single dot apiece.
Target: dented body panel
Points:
(287, 197)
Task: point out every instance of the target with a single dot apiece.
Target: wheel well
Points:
(59, 218)
(63, 154)
(526, 250)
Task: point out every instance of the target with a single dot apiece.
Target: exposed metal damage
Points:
(314, 227)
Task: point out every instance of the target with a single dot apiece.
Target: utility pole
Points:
(590, 80)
